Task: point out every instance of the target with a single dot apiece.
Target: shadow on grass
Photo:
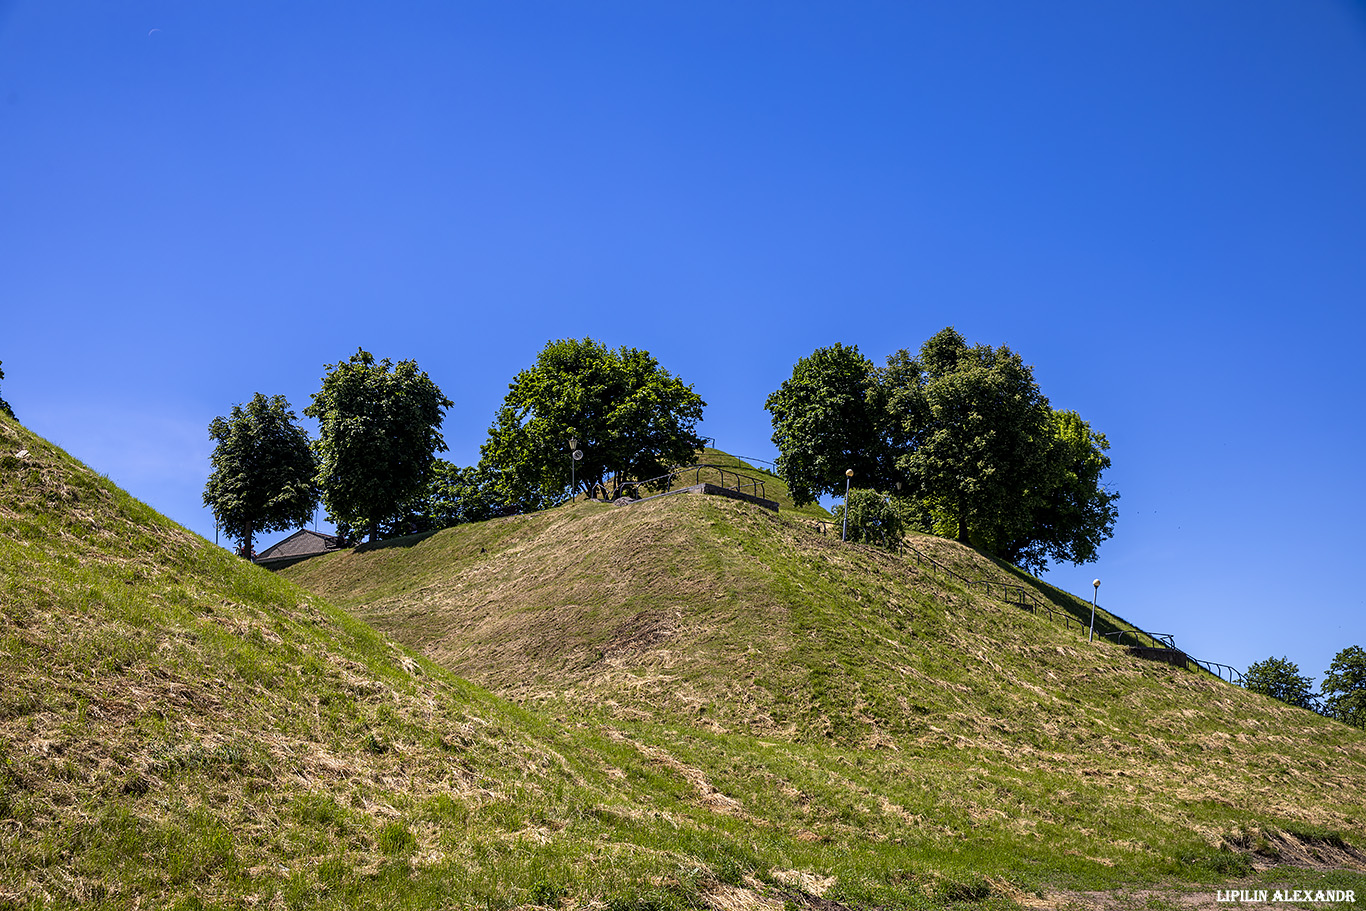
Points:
(402, 541)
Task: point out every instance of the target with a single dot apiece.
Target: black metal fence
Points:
(666, 482)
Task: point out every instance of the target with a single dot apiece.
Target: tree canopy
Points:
(962, 433)
(1344, 687)
(1280, 678)
(452, 496)
(827, 419)
(263, 470)
(378, 431)
(1075, 513)
(976, 437)
(632, 419)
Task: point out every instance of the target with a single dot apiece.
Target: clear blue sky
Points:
(1160, 205)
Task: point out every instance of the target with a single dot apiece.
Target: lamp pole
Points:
(848, 476)
(574, 456)
(1095, 590)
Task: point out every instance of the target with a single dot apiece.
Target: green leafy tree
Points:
(1073, 512)
(4, 405)
(965, 436)
(829, 417)
(875, 518)
(632, 419)
(1344, 687)
(977, 434)
(453, 496)
(263, 470)
(457, 495)
(1280, 678)
(378, 431)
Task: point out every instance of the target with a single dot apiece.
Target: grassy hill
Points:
(179, 728)
(862, 701)
(716, 708)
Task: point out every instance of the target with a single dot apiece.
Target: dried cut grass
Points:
(808, 882)
(735, 622)
(723, 897)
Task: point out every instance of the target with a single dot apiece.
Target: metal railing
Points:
(1217, 669)
(743, 483)
(1165, 639)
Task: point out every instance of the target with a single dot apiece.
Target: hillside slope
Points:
(856, 690)
(179, 728)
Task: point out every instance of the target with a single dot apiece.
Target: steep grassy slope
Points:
(857, 699)
(181, 729)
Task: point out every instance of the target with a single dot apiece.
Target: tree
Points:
(263, 470)
(378, 432)
(977, 432)
(1280, 679)
(457, 495)
(1074, 513)
(633, 420)
(874, 518)
(965, 437)
(452, 496)
(4, 405)
(829, 418)
(1344, 687)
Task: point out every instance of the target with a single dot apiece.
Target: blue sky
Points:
(1162, 206)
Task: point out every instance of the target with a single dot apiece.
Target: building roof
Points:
(301, 544)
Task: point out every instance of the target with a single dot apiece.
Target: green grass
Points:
(709, 701)
(179, 728)
(892, 716)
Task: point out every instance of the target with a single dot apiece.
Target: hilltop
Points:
(714, 707)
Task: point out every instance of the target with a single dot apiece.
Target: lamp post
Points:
(848, 476)
(1095, 590)
(574, 456)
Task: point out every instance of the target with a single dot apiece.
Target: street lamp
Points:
(1095, 590)
(574, 456)
(848, 476)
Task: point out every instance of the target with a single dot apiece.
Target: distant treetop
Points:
(630, 418)
(962, 434)
(379, 429)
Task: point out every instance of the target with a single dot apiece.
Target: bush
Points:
(875, 518)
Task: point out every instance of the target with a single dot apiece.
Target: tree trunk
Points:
(962, 518)
(374, 531)
(246, 543)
